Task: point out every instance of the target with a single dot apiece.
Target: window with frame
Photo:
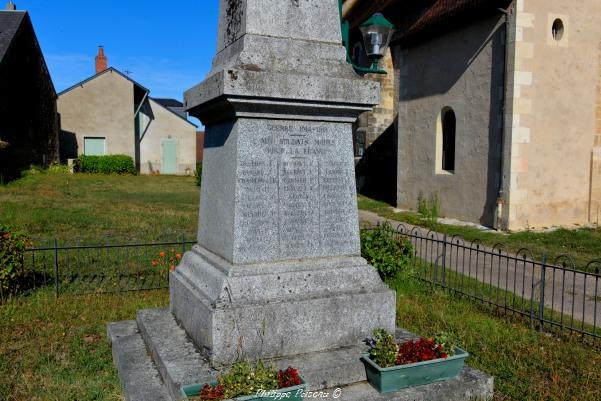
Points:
(446, 141)
(94, 146)
(449, 130)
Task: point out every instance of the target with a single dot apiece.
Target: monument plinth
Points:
(277, 270)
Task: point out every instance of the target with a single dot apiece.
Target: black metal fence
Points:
(551, 294)
(103, 268)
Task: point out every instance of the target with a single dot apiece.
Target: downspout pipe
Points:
(500, 193)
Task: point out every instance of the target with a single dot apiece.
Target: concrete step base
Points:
(470, 385)
(176, 362)
(139, 377)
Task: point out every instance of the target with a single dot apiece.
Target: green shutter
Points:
(169, 156)
(94, 146)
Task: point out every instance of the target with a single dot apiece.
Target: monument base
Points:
(273, 310)
(155, 358)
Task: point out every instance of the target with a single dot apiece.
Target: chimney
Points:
(10, 6)
(100, 60)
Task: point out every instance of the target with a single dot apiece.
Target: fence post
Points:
(444, 260)
(183, 244)
(532, 285)
(56, 268)
(541, 306)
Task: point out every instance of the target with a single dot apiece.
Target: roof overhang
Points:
(108, 70)
(416, 20)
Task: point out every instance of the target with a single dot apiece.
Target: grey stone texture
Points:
(280, 58)
(277, 271)
(268, 310)
(177, 359)
(284, 190)
(292, 96)
(284, 36)
(139, 377)
(470, 385)
(177, 362)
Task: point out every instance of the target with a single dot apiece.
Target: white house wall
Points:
(167, 125)
(101, 107)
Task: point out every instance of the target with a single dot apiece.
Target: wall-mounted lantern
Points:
(377, 32)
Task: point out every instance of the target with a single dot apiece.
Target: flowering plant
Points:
(245, 379)
(209, 392)
(382, 348)
(386, 353)
(424, 349)
(167, 260)
(288, 378)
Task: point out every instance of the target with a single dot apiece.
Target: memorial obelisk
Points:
(277, 270)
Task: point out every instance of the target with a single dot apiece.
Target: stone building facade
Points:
(371, 125)
(28, 117)
(596, 156)
(498, 108)
(374, 136)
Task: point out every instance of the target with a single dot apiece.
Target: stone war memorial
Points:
(277, 274)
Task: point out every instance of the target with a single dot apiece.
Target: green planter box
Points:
(387, 380)
(295, 393)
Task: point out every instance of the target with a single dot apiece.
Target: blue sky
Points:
(167, 45)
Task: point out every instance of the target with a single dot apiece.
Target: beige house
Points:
(497, 108)
(109, 113)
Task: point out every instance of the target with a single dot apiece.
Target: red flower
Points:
(419, 351)
(288, 378)
(155, 263)
(209, 392)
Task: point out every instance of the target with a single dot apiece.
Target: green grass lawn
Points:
(57, 349)
(100, 208)
(584, 244)
(527, 365)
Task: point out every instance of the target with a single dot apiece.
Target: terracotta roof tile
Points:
(444, 13)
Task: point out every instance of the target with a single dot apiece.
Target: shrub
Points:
(429, 208)
(33, 170)
(386, 250)
(57, 168)
(111, 164)
(385, 352)
(198, 174)
(382, 348)
(12, 269)
(244, 379)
